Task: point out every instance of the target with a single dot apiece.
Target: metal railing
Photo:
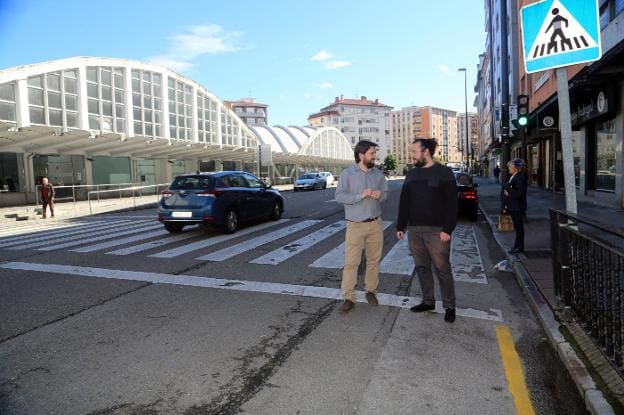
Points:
(133, 192)
(76, 193)
(588, 270)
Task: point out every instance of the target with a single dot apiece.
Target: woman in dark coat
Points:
(515, 195)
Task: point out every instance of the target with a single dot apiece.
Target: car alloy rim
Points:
(231, 220)
(276, 210)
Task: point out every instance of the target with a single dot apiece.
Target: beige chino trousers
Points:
(367, 236)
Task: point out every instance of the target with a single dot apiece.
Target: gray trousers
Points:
(426, 247)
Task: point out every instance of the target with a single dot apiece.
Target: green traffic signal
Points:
(523, 121)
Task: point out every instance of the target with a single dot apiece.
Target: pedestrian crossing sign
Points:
(558, 33)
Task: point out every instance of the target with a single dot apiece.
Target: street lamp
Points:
(466, 115)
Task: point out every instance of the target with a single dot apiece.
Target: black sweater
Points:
(429, 198)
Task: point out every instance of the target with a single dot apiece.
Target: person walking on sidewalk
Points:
(47, 197)
(361, 189)
(428, 209)
(496, 174)
(515, 201)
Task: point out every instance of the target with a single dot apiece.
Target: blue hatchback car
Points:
(224, 199)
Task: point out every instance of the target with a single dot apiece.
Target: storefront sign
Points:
(596, 106)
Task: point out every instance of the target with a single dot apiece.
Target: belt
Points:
(365, 220)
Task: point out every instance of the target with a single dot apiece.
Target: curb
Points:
(595, 401)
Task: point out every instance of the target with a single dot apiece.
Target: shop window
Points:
(605, 156)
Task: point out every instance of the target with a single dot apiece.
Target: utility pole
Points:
(468, 166)
(505, 145)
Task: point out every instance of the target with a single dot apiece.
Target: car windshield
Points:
(463, 179)
(192, 182)
(308, 176)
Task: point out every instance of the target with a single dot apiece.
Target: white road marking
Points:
(117, 242)
(184, 249)
(154, 244)
(398, 260)
(38, 236)
(281, 254)
(130, 231)
(335, 257)
(79, 234)
(240, 285)
(9, 231)
(246, 246)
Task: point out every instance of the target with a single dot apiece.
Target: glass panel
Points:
(147, 88)
(148, 129)
(180, 121)
(7, 92)
(157, 104)
(121, 126)
(136, 113)
(180, 96)
(171, 95)
(119, 81)
(107, 125)
(91, 74)
(54, 100)
(118, 71)
(170, 83)
(147, 76)
(72, 119)
(180, 108)
(147, 101)
(107, 109)
(94, 107)
(157, 90)
(7, 111)
(35, 81)
(605, 155)
(36, 115)
(119, 96)
(119, 111)
(71, 102)
(172, 107)
(55, 117)
(35, 96)
(138, 128)
(157, 117)
(173, 132)
(156, 78)
(158, 131)
(136, 85)
(92, 90)
(148, 115)
(71, 85)
(69, 74)
(107, 93)
(136, 74)
(94, 123)
(136, 100)
(172, 120)
(105, 77)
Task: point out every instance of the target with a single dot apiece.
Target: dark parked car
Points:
(467, 197)
(224, 199)
(310, 181)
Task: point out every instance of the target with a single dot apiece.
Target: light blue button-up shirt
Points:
(351, 185)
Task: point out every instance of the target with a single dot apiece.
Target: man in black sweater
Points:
(428, 209)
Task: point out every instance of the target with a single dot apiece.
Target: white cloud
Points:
(322, 55)
(443, 68)
(336, 64)
(326, 85)
(208, 39)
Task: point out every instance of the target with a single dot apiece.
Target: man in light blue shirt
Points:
(361, 189)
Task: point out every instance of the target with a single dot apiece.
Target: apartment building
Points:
(468, 148)
(250, 111)
(358, 119)
(441, 124)
(403, 126)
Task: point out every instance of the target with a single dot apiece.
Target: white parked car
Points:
(329, 178)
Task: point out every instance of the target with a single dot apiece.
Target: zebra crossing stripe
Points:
(398, 260)
(39, 228)
(204, 243)
(78, 234)
(100, 238)
(466, 258)
(155, 244)
(246, 246)
(390, 300)
(287, 251)
(117, 242)
(37, 236)
(335, 257)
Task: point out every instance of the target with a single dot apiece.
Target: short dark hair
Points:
(427, 144)
(361, 148)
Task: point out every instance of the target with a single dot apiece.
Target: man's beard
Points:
(420, 162)
(370, 164)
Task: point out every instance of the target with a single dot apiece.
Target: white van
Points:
(329, 178)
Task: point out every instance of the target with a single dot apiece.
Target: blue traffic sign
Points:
(558, 33)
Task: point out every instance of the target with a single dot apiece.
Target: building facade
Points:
(84, 121)
(404, 124)
(250, 111)
(358, 119)
(468, 148)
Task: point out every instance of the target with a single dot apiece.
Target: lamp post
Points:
(466, 117)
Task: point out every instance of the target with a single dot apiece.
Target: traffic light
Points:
(522, 104)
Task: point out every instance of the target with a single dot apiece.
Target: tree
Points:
(390, 163)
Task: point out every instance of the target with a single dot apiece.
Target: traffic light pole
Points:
(565, 127)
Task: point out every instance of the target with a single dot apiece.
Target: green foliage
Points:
(390, 163)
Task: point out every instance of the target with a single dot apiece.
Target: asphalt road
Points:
(109, 315)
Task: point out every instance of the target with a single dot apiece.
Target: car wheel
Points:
(324, 186)
(230, 224)
(276, 213)
(174, 227)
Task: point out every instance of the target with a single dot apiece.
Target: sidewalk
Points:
(534, 273)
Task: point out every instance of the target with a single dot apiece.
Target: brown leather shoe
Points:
(347, 306)
(371, 298)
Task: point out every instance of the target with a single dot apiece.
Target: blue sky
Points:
(295, 56)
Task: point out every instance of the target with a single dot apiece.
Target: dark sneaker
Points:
(449, 316)
(371, 298)
(347, 306)
(422, 307)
